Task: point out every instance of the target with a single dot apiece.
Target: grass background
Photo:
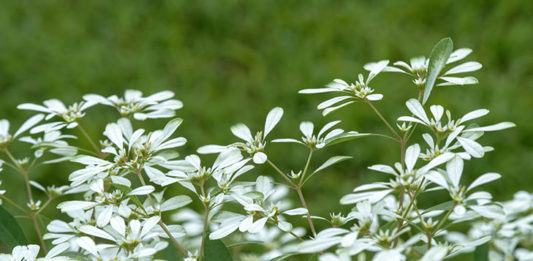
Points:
(231, 61)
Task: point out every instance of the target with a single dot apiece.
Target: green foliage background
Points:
(231, 61)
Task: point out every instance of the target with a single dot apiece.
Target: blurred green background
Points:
(231, 61)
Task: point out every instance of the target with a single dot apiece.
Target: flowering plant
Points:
(119, 207)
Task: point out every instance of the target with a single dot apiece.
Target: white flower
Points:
(252, 145)
(452, 129)
(267, 207)
(69, 117)
(360, 90)
(157, 105)
(323, 138)
(52, 141)
(419, 65)
(5, 137)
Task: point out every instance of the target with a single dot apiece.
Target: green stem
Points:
(383, 119)
(15, 205)
(304, 204)
(93, 144)
(306, 167)
(161, 224)
(280, 172)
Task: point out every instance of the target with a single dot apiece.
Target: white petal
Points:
(454, 168)
(332, 109)
(458, 54)
(317, 90)
(94, 231)
(327, 127)
(33, 107)
(260, 158)
(143, 190)
(474, 115)
(272, 119)
(55, 105)
(258, 225)
(117, 223)
(416, 108)
(443, 158)
(465, 67)
(374, 97)
(149, 224)
(113, 132)
(246, 223)
(375, 69)
(494, 127)
(241, 131)
(306, 128)
(28, 124)
(224, 230)
(458, 81)
(76, 205)
(332, 101)
(87, 244)
(437, 178)
(296, 212)
(411, 156)
(210, 149)
(485, 178)
(411, 119)
(473, 148)
(383, 168)
(105, 216)
(163, 95)
(437, 111)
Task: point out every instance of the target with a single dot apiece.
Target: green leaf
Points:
(437, 60)
(482, 252)
(331, 161)
(442, 206)
(75, 256)
(10, 231)
(216, 250)
(344, 137)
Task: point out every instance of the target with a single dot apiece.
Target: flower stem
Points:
(161, 224)
(31, 215)
(93, 144)
(204, 232)
(280, 172)
(306, 167)
(383, 119)
(302, 200)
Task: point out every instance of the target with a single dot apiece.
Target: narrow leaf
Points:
(10, 231)
(437, 60)
(216, 250)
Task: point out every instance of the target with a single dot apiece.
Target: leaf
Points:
(344, 137)
(482, 252)
(216, 250)
(331, 161)
(437, 60)
(10, 231)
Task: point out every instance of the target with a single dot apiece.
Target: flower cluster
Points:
(134, 197)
